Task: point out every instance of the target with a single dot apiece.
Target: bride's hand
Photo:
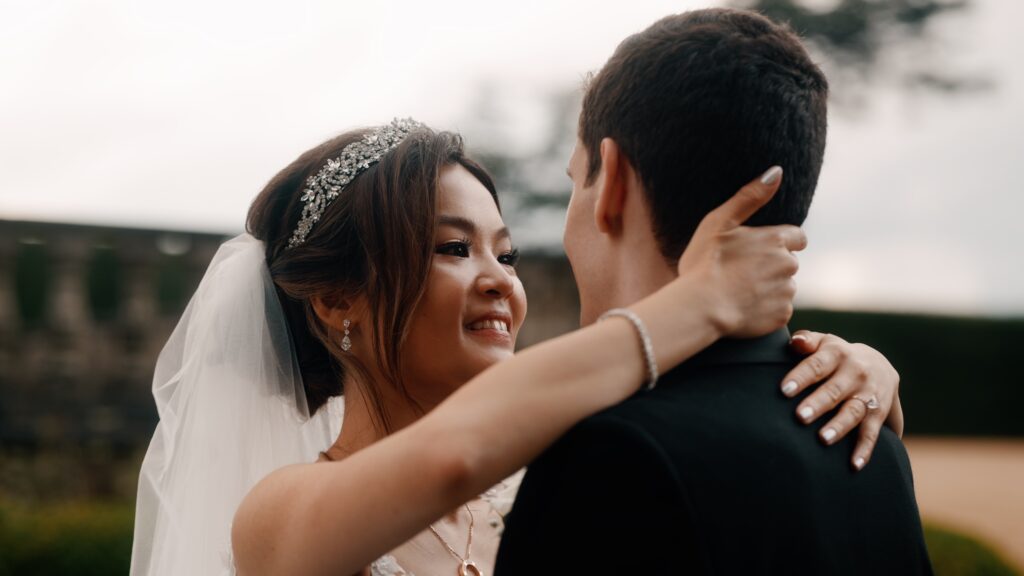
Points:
(851, 375)
(746, 272)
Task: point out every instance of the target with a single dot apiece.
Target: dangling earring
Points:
(346, 342)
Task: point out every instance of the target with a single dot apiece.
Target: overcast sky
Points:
(175, 114)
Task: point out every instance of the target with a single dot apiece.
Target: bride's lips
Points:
(495, 327)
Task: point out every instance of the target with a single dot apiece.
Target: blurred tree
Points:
(862, 45)
(868, 40)
(536, 176)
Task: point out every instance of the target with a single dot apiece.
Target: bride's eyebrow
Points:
(467, 226)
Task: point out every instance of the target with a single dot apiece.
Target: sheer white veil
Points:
(232, 409)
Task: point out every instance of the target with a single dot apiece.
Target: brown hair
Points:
(701, 103)
(375, 240)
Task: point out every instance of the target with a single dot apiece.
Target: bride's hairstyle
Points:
(375, 240)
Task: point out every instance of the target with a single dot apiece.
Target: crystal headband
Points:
(355, 158)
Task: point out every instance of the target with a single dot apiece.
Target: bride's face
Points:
(474, 303)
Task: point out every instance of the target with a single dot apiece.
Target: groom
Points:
(707, 473)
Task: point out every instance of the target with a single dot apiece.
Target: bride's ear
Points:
(334, 311)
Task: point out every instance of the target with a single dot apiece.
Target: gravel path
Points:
(976, 485)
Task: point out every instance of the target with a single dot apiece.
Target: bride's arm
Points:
(335, 518)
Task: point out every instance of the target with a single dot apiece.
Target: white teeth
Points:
(489, 325)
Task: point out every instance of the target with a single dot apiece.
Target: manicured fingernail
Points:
(806, 412)
(788, 388)
(799, 337)
(772, 175)
(858, 463)
(828, 434)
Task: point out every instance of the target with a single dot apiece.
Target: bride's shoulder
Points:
(273, 495)
(264, 511)
(278, 482)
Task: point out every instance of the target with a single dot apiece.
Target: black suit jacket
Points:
(711, 473)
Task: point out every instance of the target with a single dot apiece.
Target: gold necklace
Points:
(466, 566)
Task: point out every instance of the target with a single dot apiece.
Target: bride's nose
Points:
(495, 281)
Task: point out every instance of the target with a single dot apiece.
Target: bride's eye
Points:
(510, 258)
(458, 248)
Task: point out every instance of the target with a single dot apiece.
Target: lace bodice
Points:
(387, 566)
(499, 498)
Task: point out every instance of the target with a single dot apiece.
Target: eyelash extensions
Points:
(460, 248)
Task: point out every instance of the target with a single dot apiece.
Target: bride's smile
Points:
(492, 326)
(474, 303)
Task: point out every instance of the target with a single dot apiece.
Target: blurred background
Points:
(134, 135)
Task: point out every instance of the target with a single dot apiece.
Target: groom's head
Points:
(678, 119)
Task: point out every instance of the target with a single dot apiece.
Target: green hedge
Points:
(96, 539)
(954, 554)
(84, 539)
(959, 376)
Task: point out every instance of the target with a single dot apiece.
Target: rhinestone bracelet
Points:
(645, 341)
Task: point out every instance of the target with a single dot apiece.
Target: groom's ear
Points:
(611, 188)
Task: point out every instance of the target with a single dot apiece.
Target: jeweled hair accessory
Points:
(355, 158)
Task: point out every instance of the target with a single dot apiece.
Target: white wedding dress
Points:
(499, 499)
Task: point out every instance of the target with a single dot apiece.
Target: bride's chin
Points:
(496, 355)
(488, 358)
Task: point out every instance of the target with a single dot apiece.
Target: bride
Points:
(378, 264)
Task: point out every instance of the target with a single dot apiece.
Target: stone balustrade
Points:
(85, 310)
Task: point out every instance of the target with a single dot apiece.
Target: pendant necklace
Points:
(466, 566)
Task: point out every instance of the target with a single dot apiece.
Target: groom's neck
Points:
(639, 282)
(635, 276)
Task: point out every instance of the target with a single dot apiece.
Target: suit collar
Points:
(771, 349)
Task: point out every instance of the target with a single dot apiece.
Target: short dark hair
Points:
(701, 103)
(387, 214)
